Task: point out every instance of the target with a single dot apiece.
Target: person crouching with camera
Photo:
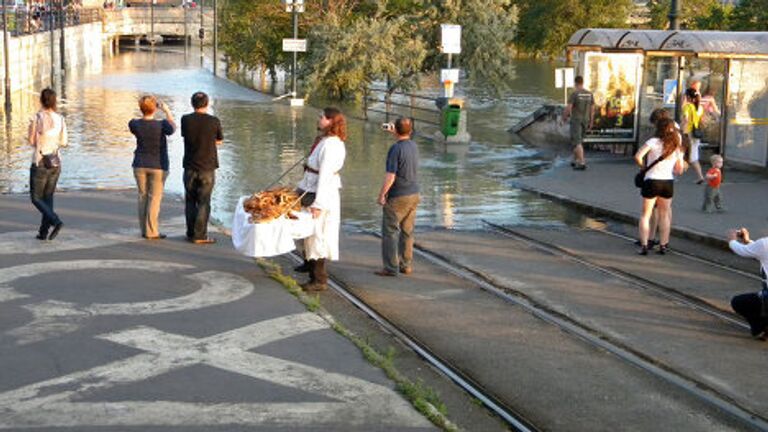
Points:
(752, 306)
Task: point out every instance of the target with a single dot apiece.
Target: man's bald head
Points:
(403, 126)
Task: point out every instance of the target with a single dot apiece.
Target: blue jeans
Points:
(198, 188)
(42, 185)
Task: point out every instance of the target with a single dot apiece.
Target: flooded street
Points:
(461, 184)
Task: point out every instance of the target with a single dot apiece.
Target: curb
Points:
(594, 210)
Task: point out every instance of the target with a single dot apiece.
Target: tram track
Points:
(664, 291)
(454, 373)
(597, 339)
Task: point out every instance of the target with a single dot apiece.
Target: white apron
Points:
(327, 159)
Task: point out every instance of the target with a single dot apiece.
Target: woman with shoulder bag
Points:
(665, 159)
(693, 113)
(47, 134)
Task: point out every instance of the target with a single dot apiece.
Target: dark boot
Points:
(303, 268)
(318, 277)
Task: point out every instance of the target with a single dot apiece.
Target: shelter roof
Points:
(702, 43)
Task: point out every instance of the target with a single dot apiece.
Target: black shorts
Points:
(658, 189)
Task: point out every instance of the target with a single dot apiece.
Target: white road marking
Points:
(53, 318)
(53, 403)
(24, 242)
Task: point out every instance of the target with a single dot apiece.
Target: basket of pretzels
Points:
(269, 205)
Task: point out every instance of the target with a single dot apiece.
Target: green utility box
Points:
(450, 121)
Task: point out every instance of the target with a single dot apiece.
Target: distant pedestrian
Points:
(47, 134)
(712, 194)
(399, 197)
(322, 178)
(580, 111)
(753, 306)
(202, 136)
(665, 159)
(150, 163)
(692, 126)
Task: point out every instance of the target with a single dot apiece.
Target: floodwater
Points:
(461, 183)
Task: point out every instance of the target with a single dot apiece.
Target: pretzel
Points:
(269, 205)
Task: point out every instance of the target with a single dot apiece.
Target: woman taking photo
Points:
(47, 133)
(150, 162)
(691, 123)
(665, 160)
(321, 177)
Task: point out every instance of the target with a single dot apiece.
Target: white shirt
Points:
(47, 132)
(663, 170)
(757, 249)
(327, 159)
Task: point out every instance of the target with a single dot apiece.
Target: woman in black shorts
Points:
(658, 187)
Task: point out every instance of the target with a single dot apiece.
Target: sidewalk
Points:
(101, 329)
(607, 189)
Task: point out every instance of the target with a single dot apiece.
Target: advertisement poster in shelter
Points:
(614, 80)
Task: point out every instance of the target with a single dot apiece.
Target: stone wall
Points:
(30, 56)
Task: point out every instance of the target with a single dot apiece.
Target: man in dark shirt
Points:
(581, 112)
(400, 196)
(202, 134)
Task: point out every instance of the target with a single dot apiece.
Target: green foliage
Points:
(694, 15)
(546, 25)
(347, 56)
(750, 15)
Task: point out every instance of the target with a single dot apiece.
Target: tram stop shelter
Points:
(633, 72)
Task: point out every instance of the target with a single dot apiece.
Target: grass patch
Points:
(425, 399)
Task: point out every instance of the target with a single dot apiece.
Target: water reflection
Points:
(461, 184)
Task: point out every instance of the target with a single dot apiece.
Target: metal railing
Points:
(420, 108)
(24, 22)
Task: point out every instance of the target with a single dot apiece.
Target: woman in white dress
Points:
(321, 177)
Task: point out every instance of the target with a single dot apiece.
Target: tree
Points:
(545, 26)
(694, 15)
(750, 15)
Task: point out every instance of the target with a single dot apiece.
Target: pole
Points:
(152, 22)
(6, 61)
(215, 39)
(202, 32)
(61, 38)
(53, 42)
(674, 15)
(295, 54)
(186, 30)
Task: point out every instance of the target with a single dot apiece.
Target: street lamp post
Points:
(295, 7)
(152, 22)
(674, 15)
(6, 61)
(215, 39)
(62, 23)
(51, 25)
(201, 33)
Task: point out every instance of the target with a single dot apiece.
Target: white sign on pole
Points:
(569, 77)
(564, 77)
(450, 39)
(451, 75)
(295, 45)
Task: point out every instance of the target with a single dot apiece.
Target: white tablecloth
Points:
(271, 238)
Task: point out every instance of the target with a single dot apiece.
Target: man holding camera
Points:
(399, 197)
(202, 135)
(752, 306)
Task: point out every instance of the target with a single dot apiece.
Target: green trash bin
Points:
(450, 122)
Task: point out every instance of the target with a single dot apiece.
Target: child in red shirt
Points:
(712, 195)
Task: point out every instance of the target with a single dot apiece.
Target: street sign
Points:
(295, 45)
(294, 5)
(450, 39)
(564, 76)
(449, 75)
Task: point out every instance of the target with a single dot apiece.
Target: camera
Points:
(740, 234)
(387, 127)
